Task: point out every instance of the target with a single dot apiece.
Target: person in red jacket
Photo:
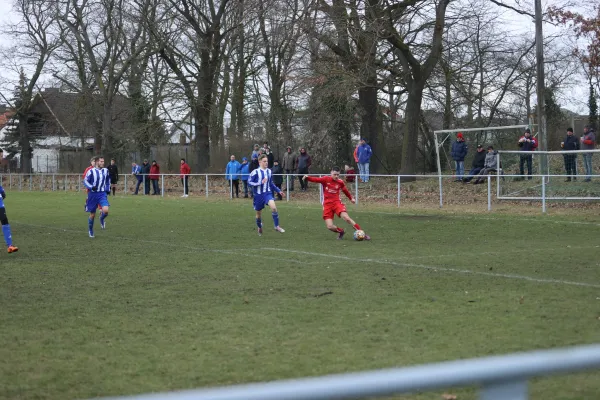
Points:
(332, 204)
(185, 171)
(350, 174)
(154, 173)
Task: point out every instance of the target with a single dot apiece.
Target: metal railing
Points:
(499, 378)
(213, 184)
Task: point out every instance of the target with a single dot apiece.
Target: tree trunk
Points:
(369, 129)
(411, 129)
(25, 145)
(202, 135)
(107, 144)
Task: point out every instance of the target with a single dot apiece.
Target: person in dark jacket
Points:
(270, 157)
(253, 165)
(303, 162)
(477, 164)
(570, 143)
(490, 165)
(113, 173)
(277, 172)
(146, 176)
(527, 143)
(458, 154)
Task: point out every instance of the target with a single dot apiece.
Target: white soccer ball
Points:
(359, 235)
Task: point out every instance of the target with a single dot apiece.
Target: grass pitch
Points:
(182, 293)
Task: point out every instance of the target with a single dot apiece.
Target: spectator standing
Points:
(113, 173)
(277, 172)
(588, 141)
(154, 175)
(527, 143)
(253, 165)
(458, 154)
(364, 154)
(477, 164)
(232, 171)
(185, 170)
(146, 176)
(270, 157)
(255, 151)
(245, 173)
(289, 165)
(136, 171)
(570, 143)
(303, 162)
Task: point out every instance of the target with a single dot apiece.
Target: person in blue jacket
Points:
(245, 173)
(232, 172)
(458, 154)
(364, 154)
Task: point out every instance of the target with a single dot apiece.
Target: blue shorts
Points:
(95, 198)
(260, 200)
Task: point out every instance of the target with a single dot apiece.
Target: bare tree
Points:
(191, 39)
(35, 37)
(108, 34)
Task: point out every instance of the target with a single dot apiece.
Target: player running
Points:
(332, 203)
(97, 181)
(263, 188)
(5, 225)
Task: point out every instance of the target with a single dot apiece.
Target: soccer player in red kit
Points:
(332, 204)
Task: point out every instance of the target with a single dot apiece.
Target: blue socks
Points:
(102, 217)
(91, 224)
(276, 219)
(7, 235)
(258, 222)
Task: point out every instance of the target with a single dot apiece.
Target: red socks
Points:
(357, 227)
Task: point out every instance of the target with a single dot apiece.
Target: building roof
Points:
(72, 114)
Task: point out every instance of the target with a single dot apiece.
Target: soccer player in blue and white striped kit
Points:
(263, 188)
(5, 224)
(97, 180)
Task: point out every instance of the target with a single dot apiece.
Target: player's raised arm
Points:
(315, 179)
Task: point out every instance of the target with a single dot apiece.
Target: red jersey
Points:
(331, 188)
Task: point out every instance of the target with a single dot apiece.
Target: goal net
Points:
(499, 137)
(571, 175)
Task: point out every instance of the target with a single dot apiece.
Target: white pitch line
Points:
(434, 268)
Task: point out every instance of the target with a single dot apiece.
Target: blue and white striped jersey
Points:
(256, 178)
(98, 178)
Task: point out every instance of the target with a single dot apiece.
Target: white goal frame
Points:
(448, 132)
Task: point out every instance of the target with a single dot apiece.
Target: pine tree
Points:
(593, 106)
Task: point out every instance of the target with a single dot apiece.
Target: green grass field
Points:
(182, 293)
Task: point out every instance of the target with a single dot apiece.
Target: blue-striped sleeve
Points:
(254, 178)
(89, 177)
(107, 186)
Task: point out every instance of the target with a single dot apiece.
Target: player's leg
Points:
(328, 217)
(344, 215)
(6, 231)
(91, 207)
(104, 213)
(114, 188)
(275, 214)
(259, 204)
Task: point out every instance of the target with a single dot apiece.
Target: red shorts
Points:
(329, 210)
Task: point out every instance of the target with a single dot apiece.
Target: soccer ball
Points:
(359, 235)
